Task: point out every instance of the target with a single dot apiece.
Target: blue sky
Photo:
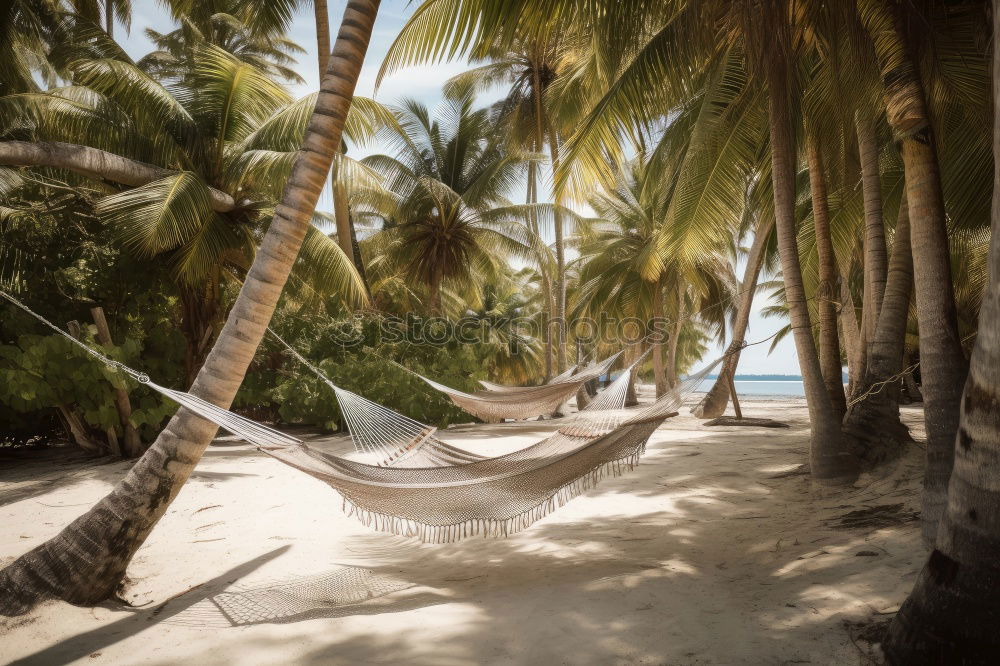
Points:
(424, 83)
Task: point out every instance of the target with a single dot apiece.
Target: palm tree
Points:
(829, 460)
(85, 562)
(876, 270)
(713, 405)
(26, 28)
(530, 66)
(511, 354)
(873, 423)
(202, 170)
(658, 67)
(947, 617)
(346, 235)
(177, 51)
(828, 292)
(446, 186)
(630, 266)
(942, 358)
(109, 10)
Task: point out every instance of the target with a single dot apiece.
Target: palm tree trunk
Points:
(560, 282)
(875, 257)
(131, 446)
(828, 296)
(582, 396)
(631, 396)
(913, 393)
(950, 616)
(543, 273)
(85, 563)
(852, 339)
(346, 235)
(872, 424)
(109, 18)
(359, 259)
(201, 320)
(943, 363)
(78, 431)
(98, 164)
(322, 18)
(659, 374)
(675, 339)
(829, 459)
(539, 143)
(713, 405)
(341, 215)
(434, 295)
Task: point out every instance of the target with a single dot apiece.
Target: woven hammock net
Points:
(418, 486)
(290, 599)
(490, 496)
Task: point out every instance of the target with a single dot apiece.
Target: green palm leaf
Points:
(159, 216)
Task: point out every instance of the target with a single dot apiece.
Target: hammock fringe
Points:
(487, 527)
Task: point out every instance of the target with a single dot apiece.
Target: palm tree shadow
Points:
(81, 645)
(25, 474)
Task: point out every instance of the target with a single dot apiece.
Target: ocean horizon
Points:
(753, 388)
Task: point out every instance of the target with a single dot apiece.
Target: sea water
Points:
(758, 388)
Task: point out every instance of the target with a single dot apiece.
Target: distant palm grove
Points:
(676, 164)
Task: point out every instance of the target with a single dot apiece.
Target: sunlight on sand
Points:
(706, 538)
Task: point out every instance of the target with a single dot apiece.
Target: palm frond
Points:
(159, 216)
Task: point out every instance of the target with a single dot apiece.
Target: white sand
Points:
(702, 555)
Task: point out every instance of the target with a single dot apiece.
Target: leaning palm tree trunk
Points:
(713, 405)
(872, 424)
(829, 459)
(950, 617)
(86, 562)
(98, 164)
(943, 364)
(631, 396)
(346, 234)
(828, 293)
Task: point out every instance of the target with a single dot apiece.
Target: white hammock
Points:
(500, 388)
(520, 402)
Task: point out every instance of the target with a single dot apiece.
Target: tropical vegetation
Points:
(654, 160)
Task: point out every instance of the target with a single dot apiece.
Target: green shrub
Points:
(40, 373)
(293, 394)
